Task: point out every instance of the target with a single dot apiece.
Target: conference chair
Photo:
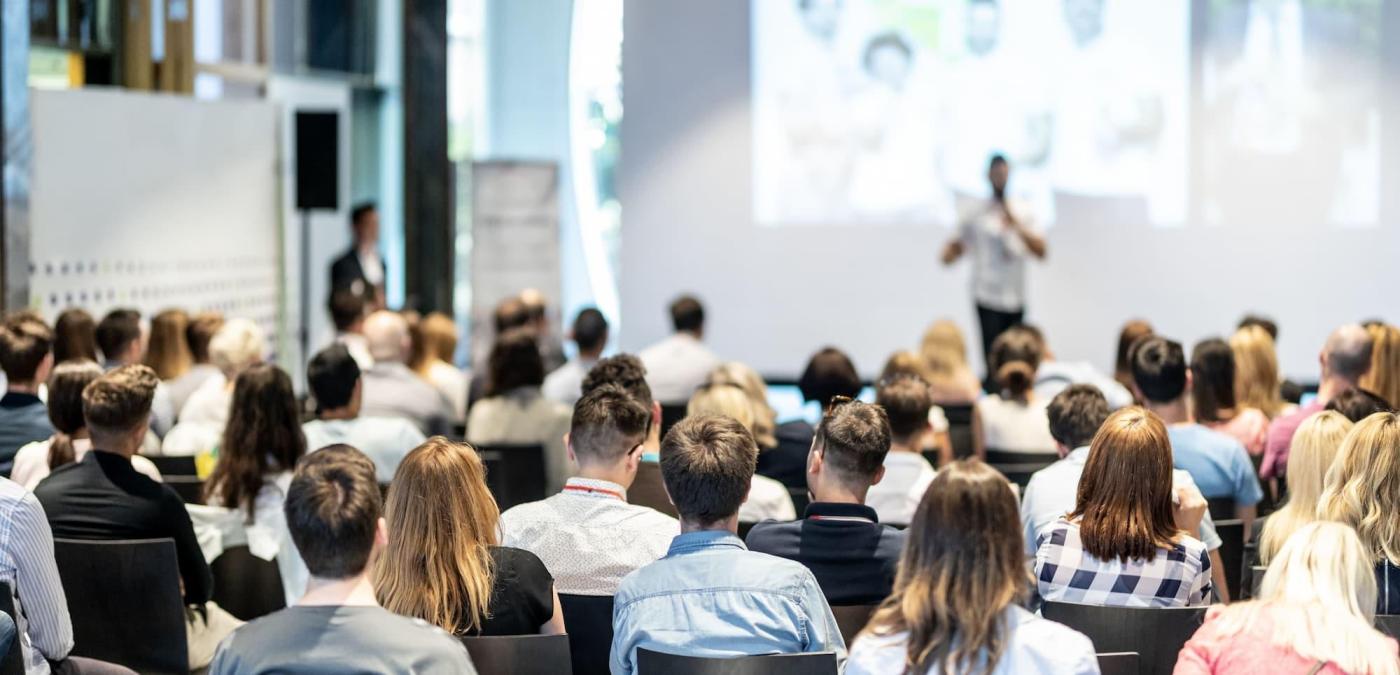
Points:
(180, 473)
(245, 585)
(1018, 467)
(1156, 634)
(851, 619)
(514, 473)
(661, 663)
(649, 490)
(1252, 582)
(1389, 624)
(125, 602)
(1231, 553)
(588, 619)
(670, 414)
(959, 432)
(1119, 663)
(1221, 508)
(519, 654)
(12, 663)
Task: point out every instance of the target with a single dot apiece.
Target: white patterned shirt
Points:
(588, 536)
(1175, 577)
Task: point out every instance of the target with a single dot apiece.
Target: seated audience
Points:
(627, 371)
(123, 342)
(515, 412)
(349, 307)
(1132, 331)
(198, 333)
(1314, 615)
(765, 418)
(74, 336)
(1360, 490)
(1257, 383)
(510, 314)
(590, 335)
(390, 388)
(956, 605)
(537, 309)
(333, 376)
(104, 498)
(438, 337)
(70, 441)
(238, 345)
(710, 596)
(333, 513)
(840, 539)
(945, 351)
(1218, 464)
(1383, 378)
(1013, 420)
(442, 563)
(829, 373)
(1054, 375)
(1345, 359)
(1315, 446)
(1125, 543)
(768, 499)
(1357, 404)
(167, 352)
(679, 364)
(1213, 397)
(906, 401)
(588, 536)
(26, 356)
(907, 364)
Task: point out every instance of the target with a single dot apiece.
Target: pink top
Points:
(1246, 653)
(1250, 427)
(1281, 437)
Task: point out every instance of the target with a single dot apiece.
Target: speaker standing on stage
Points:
(1000, 235)
(361, 268)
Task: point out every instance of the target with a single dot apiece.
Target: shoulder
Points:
(519, 563)
(771, 535)
(873, 653)
(1047, 639)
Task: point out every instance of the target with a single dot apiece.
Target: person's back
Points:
(26, 357)
(1014, 420)
(384, 439)
(391, 389)
(679, 364)
(1345, 359)
(1217, 462)
(514, 411)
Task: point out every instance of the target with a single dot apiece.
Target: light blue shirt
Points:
(1218, 463)
(711, 596)
(1033, 645)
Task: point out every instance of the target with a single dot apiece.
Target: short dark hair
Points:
(829, 373)
(687, 313)
(510, 313)
(1212, 379)
(624, 370)
(331, 375)
(854, 438)
(1076, 413)
(707, 464)
(590, 330)
(1261, 321)
(346, 305)
(120, 400)
(359, 211)
(608, 423)
(117, 330)
(1159, 369)
(1356, 404)
(906, 401)
(995, 159)
(515, 362)
(200, 331)
(332, 510)
(24, 342)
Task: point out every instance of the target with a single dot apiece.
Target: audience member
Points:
(238, 345)
(1213, 397)
(906, 401)
(590, 335)
(75, 336)
(361, 268)
(1132, 331)
(765, 419)
(907, 364)
(1315, 446)
(167, 352)
(679, 364)
(1314, 614)
(840, 539)
(627, 371)
(956, 605)
(390, 388)
(333, 513)
(1053, 375)
(438, 334)
(1345, 359)
(510, 314)
(710, 596)
(1257, 383)
(945, 350)
(588, 536)
(123, 342)
(1383, 378)
(1218, 464)
(1357, 404)
(103, 497)
(551, 347)
(1013, 420)
(335, 382)
(442, 563)
(348, 309)
(26, 356)
(767, 499)
(829, 373)
(515, 412)
(199, 332)
(1125, 542)
(1361, 491)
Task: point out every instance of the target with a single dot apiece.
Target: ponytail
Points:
(61, 450)
(1016, 378)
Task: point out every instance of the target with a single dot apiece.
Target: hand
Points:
(1188, 509)
(952, 252)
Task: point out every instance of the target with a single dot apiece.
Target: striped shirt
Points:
(27, 565)
(1176, 577)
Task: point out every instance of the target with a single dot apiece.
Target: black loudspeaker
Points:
(318, 160)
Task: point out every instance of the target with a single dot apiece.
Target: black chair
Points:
(1120, 663)
(514, 473)
(1221, 508)
(588, 618)
(1231, 554)
(800, 500)
(1388, 624)
(1252, 582)
(245, 585)
(649, 490)
(13, 661)
(851, 619)
(1018, 467)
(661, 663)
(519, 654)
(173, 466)
(743, 530)
(180, 473)
(959, 431)
(670, 414)
(124, 599)
(1156, 634)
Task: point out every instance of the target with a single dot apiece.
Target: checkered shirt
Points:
(1065, 572)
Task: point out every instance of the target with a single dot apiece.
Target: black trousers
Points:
(994, 322)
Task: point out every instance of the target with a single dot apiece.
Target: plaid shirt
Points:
(1065, 572)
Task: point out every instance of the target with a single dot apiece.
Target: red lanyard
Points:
(594, 490)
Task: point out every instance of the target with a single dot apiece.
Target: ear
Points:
(634, 459)
(569, 448)
(879, 476)
(381, 534)
(814, 462)
(656, 416)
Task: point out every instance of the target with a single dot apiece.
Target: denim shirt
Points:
(710, 596)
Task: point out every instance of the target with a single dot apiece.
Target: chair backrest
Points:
(190, 488)
(1231, 553)
(589, 621)
(820, 663)
(514, 473)
(995, 456)
(670, 414)
(648, 489)
(246, 585)
(1249, 588)
(12, 663)
(1156, 634)
(1120, 663)
(851, 619)
(960, 431)
(170, 465)
(124, 599)
(1388, 624)
(1221, 508)
(520, 654)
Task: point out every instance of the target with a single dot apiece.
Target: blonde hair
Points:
(765, 419)
(436, 341)
(1320, 598)
(442, 522)
(1315, 445)
(1383, 379)
(945, 352)
(1256, 371)
(167, 351)
(238, 344)
(1363, 486)
(722, 399)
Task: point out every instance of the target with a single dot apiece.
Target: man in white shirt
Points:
(590, 333)
(347, 308)
(334, 380)
(907, 401)
(1000, 235)
(1053, 375)
(588, 535)
(678, 365)
(361, 268)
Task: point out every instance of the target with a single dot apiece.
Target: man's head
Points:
(906, 401)
(200, 331)
(1347, 354)
(510, 314)
(1076, 415)
(590, 332)
(334, 380)
(387, 336)
(688, 315)
(608, 428)
(119, 336)
(333, 511)
(849, 448)
(347, 307)
(117, 408)
(626, 371)
(998, 173)
(707, 464)
(364, 224)
(829, 373)
(1160, 374)
(26, 349)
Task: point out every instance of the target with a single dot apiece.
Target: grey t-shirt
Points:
(321, 640)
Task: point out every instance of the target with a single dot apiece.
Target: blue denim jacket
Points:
(711, 596)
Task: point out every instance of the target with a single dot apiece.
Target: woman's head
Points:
(1256, 370)
(944, 350)
(1132, 331)
(442, 520)
(829, 373)
(66, 384)
(1014, 359)
(1384, 376)
(765, 419)
(263, 436)
(167, 352)
(1315, 445)
(722, 399)
(1363, 485)
(74, 336)
(1323, 563)
(1124, 503)
(437, 336)
(515, 362)
(1213, 380)
(238, 344)
(962, 566)
(906, 363)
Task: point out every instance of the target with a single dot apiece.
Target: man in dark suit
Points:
(361, 268)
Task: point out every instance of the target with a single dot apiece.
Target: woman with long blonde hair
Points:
(768, 499)
(443, 564)
(1363, 490)
(1383, 378)
(1256, 371)
(1314, 614)
(765, 419)
(956, 603)
(945, 351)
(1314, 446)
